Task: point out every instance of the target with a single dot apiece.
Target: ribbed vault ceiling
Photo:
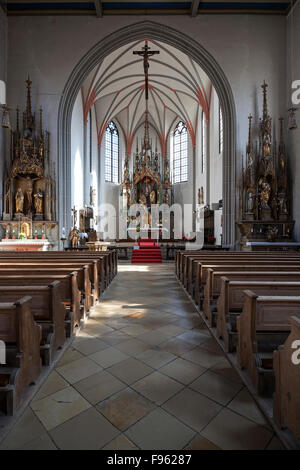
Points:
(178, 89)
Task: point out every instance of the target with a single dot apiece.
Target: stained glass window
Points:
(180, 154)
(112, 153)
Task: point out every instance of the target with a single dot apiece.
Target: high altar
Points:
(29, 201)
(150, 183)
(265, 207)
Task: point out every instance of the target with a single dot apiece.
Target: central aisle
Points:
(144, 373)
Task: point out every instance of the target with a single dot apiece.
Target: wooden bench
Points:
(263, 326)
(22, 337)
(48, 311)
(194, 272)
(68, 291)
(287, 381)
(107, 262)
(232, 298)
(212, 286)
(206, 290)
(84, 283)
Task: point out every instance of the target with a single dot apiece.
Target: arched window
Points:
(112, 153)
(180, 155)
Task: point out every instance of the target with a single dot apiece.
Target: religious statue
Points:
(38, 201)
(152, 197)
(143, 199)
(92, 196)
(166, 197)
(250, 202)
(282, 199)
(74, 237)
(265, 193)
(19, 200)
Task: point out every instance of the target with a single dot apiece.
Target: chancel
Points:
(149, 228)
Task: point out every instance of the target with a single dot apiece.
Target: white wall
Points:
(293, 137)
(77, 152)
(3, 76)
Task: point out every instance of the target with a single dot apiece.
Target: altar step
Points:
(147, 253)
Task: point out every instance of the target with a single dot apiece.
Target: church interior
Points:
(149, 226)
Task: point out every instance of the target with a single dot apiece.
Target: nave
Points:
(144, 373)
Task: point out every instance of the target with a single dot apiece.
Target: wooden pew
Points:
(212, 286)
(263, 326)
(241, 266)
(48, 311)
(188, 260)
(22, 337)
(194, 264)
(232, 298)
(107, 262)
(287, 381)
(84, 283)
(68, 291)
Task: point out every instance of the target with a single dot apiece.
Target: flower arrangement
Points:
(22, 236)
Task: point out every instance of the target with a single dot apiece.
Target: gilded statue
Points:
(152, 197)
(265, 193)
(19, 200)
(74, 237)
(38, 201)
(167, 198)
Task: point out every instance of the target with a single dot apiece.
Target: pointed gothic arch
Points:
(200, 55)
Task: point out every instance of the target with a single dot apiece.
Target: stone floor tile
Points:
(53, 383)
(98, 387)
(157, 387)
(125, 408)
(193, 409)
(230, 431)
(130, 370)
(169, 434)
(88, 430)
(79, 369)
(183, 371)
(216, 387)
(59, 407)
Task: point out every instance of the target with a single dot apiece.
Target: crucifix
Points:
(146, 53)
(74, 216)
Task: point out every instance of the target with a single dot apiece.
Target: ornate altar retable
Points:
(265, 208)
(29, 200)
(150, 183)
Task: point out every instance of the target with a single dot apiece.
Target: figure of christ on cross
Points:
(146, 53)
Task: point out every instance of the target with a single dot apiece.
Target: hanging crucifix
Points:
(146, 53)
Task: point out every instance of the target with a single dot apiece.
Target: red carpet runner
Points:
(146, 251)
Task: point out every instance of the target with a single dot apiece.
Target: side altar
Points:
(265, 197)
(29, 196)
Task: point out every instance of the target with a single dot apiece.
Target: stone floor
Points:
(144, 373)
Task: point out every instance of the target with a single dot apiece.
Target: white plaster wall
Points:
(293, 137)
(77, 176)
(248, 48)
(3, 76)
